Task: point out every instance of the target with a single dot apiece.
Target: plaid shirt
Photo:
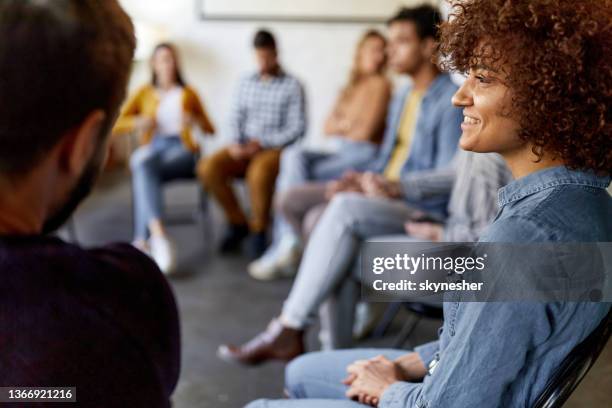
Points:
(272, 111)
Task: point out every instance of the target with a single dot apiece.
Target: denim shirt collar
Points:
(547, 178)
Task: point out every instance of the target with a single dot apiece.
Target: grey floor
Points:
(219, 302)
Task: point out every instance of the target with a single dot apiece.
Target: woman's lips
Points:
(469, 122)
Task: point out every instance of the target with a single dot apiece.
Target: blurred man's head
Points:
(265, 52)
(63, 72)
(412, 38)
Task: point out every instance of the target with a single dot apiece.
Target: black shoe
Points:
(233, 238)
(257, 245)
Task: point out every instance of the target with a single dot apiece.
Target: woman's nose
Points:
(463, 96)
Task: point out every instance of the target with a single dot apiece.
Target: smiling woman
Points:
(487, 126)
(551, 55)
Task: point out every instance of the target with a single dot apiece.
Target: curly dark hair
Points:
(557, 57)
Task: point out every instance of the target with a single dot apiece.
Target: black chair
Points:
(418, 310)
(575, 366)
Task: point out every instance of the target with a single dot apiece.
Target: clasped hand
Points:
(368, 379)
(244, 151)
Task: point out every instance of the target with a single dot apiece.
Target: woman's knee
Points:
(344, 203)
(299, 371)
(141, 158)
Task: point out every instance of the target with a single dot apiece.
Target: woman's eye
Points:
(483, 79)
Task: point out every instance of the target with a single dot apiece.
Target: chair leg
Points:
(205, 217)
(406, 331)
(386, 320)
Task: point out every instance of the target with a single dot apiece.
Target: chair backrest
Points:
(575, 366)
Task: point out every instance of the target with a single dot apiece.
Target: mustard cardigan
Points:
(145, 102)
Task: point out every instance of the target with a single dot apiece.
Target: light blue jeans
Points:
(299, 165)
(162, 160)
(349, 220)
(314, 380)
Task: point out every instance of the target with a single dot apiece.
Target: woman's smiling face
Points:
(487, 125)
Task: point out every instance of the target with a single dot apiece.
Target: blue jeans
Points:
(314, 379)
(164, 159)
(299, 165)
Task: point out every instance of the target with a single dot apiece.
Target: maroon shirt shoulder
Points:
(103, 320)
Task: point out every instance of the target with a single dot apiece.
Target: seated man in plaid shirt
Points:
(268, 114)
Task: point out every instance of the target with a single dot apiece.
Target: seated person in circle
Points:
(163, 113)
(355, 126)
(268, 114)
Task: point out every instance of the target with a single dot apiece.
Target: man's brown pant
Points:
(219, 170)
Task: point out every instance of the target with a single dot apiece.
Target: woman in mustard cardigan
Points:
(162, 113)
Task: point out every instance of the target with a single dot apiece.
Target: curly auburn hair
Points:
(557, 57)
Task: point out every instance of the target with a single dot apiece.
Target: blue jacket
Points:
(501, 354)
(435, 138)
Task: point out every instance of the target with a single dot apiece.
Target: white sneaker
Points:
(142, 246)
(279, 263)
(163, 253)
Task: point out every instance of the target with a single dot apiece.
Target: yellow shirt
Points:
(400, 152)
(145, 102)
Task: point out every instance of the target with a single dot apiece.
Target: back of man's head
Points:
(425, 17)
(59, 61)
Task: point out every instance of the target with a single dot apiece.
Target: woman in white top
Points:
(163, 113)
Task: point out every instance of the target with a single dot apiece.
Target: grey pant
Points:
(302, 206)
(328, 259)
(299, 164)
(337, 313)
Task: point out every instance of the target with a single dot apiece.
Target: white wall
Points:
(215, 54)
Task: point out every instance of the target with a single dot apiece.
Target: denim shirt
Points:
(435, 138)
(501, 354)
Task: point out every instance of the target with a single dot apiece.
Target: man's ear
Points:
(80, 144)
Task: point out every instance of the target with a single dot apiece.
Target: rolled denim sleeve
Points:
(427, 351)
(402, 395)
(405, 394)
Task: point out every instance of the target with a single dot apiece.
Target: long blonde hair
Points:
(356, 75)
